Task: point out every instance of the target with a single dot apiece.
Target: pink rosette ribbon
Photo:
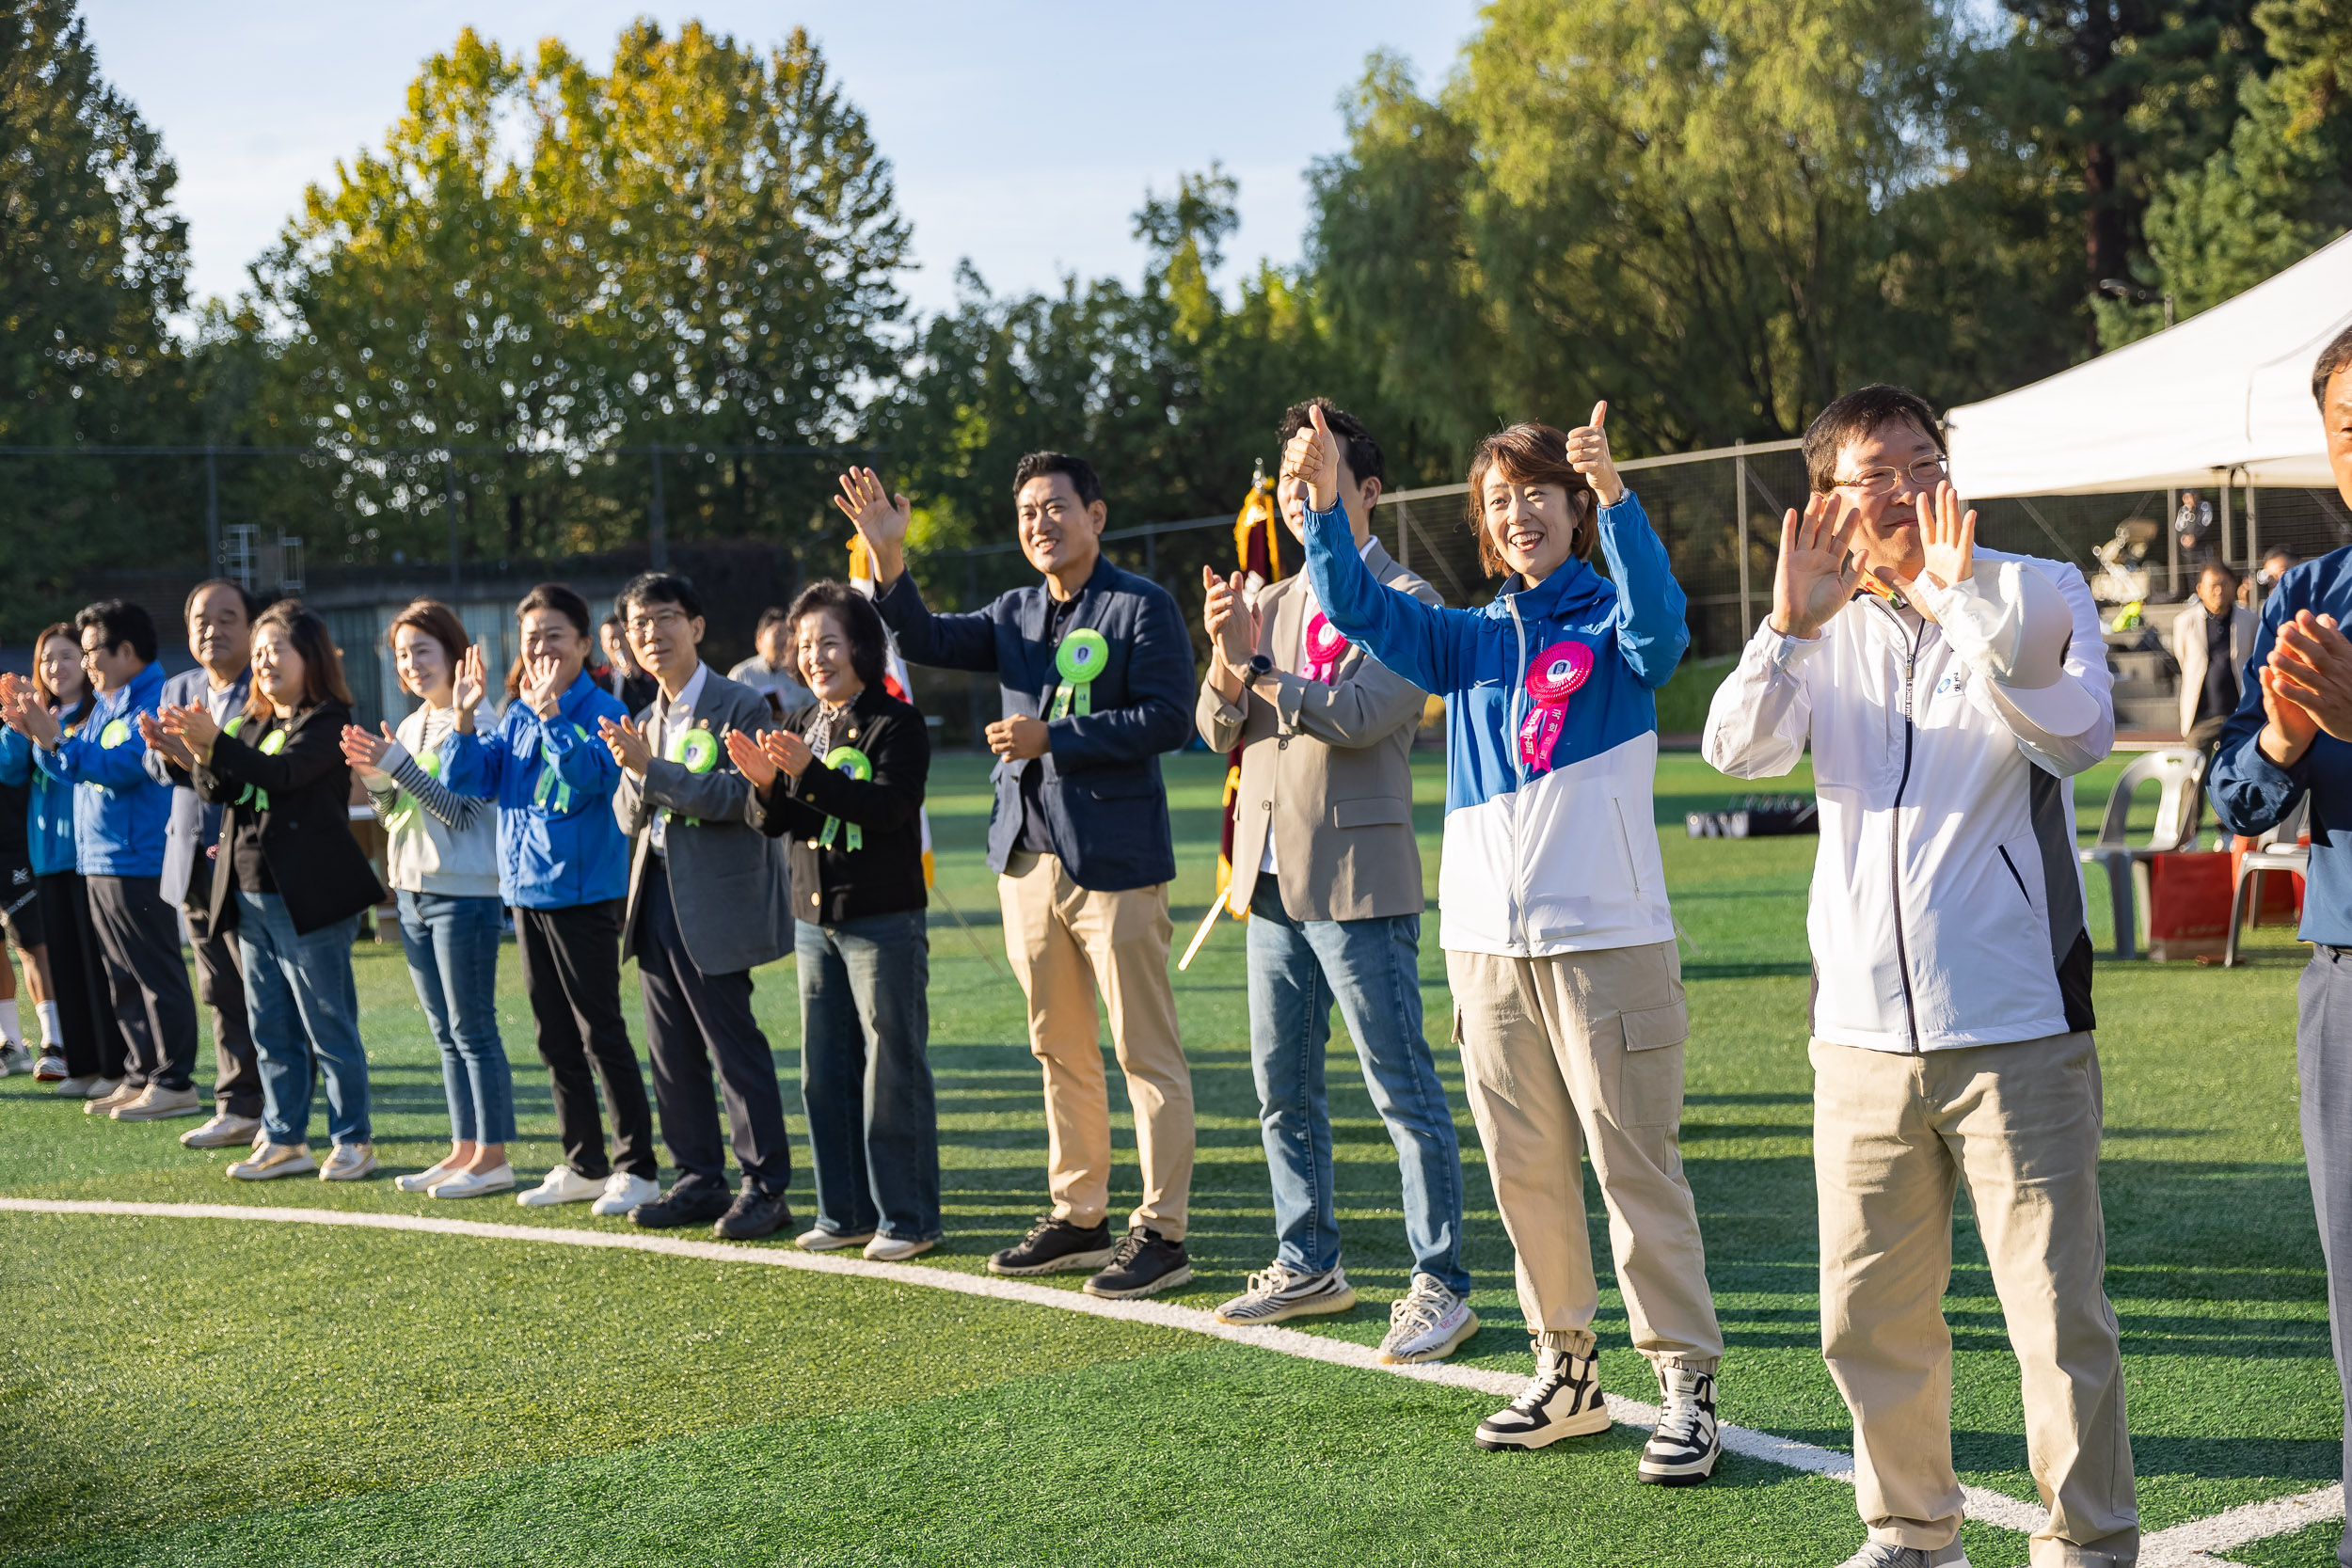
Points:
(1324, 647)
(1558, 671)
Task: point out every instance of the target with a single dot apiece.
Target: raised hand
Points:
(754, 764)
(2311, 667)
(627, 743)
(543, 692)
(1818, 569)
(1949, 538)
(1588, 455)
(466, 687)
(171, 746)
(1314, 455)
(789, 751)
(1226, 615)
(880, 518)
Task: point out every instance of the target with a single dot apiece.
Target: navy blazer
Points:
(1106, 808)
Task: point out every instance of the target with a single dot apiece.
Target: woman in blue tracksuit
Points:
(563, 868)
(1560, 947)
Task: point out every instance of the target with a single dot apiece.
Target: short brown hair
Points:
(2332, 358)
(55, 628)
(1858, 413)
(437, 620)
(1529, 454)
(322, 666)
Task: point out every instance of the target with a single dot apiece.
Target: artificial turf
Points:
(201, 1390)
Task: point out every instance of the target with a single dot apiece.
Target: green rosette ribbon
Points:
(1082, 655)
(551, 794)
(406, 807)
(114, 733)
(236, 723)
(850, 760)
(697, 751)
(272, 744)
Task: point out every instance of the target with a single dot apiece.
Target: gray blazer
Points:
(1326, 769)
(728, 881)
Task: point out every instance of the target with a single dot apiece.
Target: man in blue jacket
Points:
(2292, 738)
(1097, 675)
(119, 817)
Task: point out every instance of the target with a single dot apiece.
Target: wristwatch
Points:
(1260, 667)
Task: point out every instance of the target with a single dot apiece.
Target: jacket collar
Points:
(1575, 586)
(1098, 581)
(574, 696)
(143, 688)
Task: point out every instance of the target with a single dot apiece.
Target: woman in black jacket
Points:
(844, 780)
(296, 883)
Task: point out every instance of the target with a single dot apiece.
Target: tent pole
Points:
(1739, 481)
(2173, 542)
(2225, 516)
(2253, 533)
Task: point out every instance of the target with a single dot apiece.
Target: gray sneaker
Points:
(1278, 1292)
(1427, 1322)
(1878, 1554)
(14, 1058)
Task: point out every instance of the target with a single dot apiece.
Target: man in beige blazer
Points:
(1329, 873)
(2212, 640)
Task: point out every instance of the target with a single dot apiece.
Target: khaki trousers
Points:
(1584, 1052)
(1894, 1136)
(1066, 943)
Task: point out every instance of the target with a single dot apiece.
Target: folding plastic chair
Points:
(2276, 850)
(2179, 772)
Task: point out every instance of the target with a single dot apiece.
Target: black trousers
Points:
(691, 1017)
(572, 975)
(147, 981)
(220, 986)
(92, 1040)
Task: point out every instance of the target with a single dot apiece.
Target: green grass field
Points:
(194, 1391)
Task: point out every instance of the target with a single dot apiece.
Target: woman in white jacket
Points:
(441, 860)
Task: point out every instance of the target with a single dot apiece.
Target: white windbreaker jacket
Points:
(1947, 907)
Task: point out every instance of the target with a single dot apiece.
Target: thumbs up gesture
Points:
(1314, 455)
(1588, 455)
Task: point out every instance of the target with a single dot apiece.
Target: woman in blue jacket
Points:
(563, 869)
(1560, 947)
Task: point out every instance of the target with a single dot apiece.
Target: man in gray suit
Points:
(2212, 640)
(1328, 870)
(220, 635)
(706, 906)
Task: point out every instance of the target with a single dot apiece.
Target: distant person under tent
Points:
(771, 672)
(2211, 642)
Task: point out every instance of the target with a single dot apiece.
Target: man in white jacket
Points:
(1948, 695)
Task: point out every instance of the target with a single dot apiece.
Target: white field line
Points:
(2182, 1546)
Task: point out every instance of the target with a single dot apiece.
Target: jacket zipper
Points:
(1518, 770)
(1895, 827)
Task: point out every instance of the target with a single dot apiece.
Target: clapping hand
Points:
(789, 751)
(2311, 668)
(1314, 455)
(194, 726)
(365, 752)
(754, 764)
(1819, 569)
(880, 518)
(468, 686)
(1018, 740)
(1588, 455)
(627, 743)
(1949, 538)
(1230, 619)
(173, 749)
(22, 710)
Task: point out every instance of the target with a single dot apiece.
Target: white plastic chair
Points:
(2275, 851)
(2179, 772)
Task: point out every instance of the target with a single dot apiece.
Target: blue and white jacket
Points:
(1551, 734)
(553, 781)
(49, 821)
(119, 812)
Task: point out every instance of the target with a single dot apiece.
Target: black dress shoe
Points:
(687, 1203)
(753, 1215)
(1056, 1246)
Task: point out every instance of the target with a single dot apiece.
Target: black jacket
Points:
(320, 870)
(1106, 809)
(886, 875)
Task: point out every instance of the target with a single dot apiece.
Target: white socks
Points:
(50, 1032)
(7, 1023)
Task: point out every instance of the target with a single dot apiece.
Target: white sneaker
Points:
(349, 1162)
(476, 1183)
(1278, 1292)
(79, 1088)
(560, 1186)
(1562, 1399)
(890, 1249)
(1427, 1322)
(51, 1069)
(818, 1239)
(155, 1102)
(107, 1093)
(423, 1180)
(272, 1160)
(624, 1191)
(224, 1130)
(1878, 1554)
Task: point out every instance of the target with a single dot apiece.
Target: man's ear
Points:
(1370, 494)
(1097, 515)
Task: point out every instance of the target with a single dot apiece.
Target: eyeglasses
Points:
(1925, 474)
(667, 620)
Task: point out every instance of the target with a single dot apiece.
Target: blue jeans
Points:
(1371, 968)
(865, 1081)
(453, 946)
(305, 1019)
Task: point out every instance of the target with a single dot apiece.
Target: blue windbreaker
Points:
(1551, 734)
(559, 844)
(49, 812)
(119, 812)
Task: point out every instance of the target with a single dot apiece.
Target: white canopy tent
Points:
(2228, 389)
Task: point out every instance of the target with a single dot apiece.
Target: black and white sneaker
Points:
(1878, 1554)
(1056, 1246)
(1683, 1450)
(1144, 1264)
(1562, 1399)
(1278, 1291)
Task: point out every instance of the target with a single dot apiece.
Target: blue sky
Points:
(1024, 136)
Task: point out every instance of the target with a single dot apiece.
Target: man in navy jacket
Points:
(1097, 675)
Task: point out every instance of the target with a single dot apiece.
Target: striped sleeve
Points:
(451, 810)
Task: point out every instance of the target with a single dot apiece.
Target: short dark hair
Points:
(659, 588)
(1361, 452)
(1529, 454)
(774, 616)
(322, 666)
(860, 623)
(1037, 464)
(2224, 568)
(252, 605)
(2332, 358)
(560, 599)
(437, 620)
(1858, 413)
(119, 621)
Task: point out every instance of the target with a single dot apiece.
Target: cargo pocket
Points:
(1650, 1075)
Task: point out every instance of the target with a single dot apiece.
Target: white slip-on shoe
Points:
(818, 1239)
(155, 1102)
(107, 1093)
(890, 1249)
(1278, 1292)
(226, 1130)
(1562, 1399)
(78, 1088)
(349, 1162)
(272, 1160)
(624, 1191)
(476, 1183)
(1427, 1322)
(560, 1186)
(423, 1180)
